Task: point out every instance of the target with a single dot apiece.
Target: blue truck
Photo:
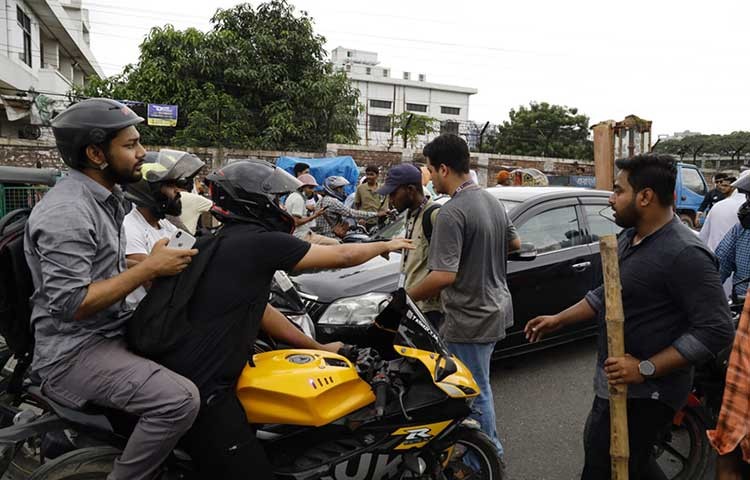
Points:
(690, 189)
(689, 192)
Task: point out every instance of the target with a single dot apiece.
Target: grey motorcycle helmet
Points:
(158, 168)
(332, 184)
(742, 184)
(90, 122)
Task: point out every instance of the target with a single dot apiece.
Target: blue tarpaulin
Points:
(322, 168)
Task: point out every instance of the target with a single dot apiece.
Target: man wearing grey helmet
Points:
(155, 196)
(75, 248)
(335, 218)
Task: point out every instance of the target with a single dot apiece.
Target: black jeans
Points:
(223, 444)
(647, 419)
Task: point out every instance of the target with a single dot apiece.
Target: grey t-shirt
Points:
(470, 238)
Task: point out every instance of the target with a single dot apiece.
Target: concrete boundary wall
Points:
(28, 153)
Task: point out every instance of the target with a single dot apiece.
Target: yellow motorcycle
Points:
(352, 416)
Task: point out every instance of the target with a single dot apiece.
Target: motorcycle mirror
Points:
(390, 318)
(444, 371)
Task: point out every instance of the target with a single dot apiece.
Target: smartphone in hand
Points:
(182, 240)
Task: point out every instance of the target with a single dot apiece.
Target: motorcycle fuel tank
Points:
(301, 387)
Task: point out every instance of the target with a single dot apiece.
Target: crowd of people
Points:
(93, 261)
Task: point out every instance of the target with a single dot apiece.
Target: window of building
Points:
(368, 71)
(450, 110)
(385, 72)
(449, 127)
(416, 107)
(407, 75)
(348, 54)
(380, 123)
(348, 68)
(380, 104)
(422, 77)
(25, 23)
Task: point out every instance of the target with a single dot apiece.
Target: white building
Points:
(679, 135)
(44, 51)
(382, 96)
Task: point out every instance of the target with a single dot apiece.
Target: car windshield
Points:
(395, 229)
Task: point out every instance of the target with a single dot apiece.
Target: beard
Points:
(173, 207)
(628, 216)
(120, 175)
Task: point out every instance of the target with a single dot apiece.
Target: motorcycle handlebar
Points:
(380, 386)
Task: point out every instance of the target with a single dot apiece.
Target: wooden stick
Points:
(619, 449)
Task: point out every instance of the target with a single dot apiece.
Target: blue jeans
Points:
(476, 357)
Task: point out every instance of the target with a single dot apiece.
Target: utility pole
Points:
(481, 134)
(405, 128)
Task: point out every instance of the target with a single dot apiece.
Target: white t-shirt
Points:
(295, 205)
(721, 218)
(192, 207)
(140, 237)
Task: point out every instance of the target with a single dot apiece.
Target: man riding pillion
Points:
(75, 247)
(334, 223)
(229, 306)
(155, 195)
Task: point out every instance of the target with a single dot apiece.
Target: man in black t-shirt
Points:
(715, 195)
(676, 317)
(230, 306)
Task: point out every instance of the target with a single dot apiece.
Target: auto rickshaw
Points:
(23, 187)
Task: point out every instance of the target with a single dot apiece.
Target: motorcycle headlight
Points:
(305, 323)
(351, 311)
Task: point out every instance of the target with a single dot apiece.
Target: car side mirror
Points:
(526, 253)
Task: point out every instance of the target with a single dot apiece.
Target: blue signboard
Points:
(162, 115)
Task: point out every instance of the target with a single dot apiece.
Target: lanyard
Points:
(411, 218)
(464, 186)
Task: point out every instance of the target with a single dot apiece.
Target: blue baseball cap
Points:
(401, 174)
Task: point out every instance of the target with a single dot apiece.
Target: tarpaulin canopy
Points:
(322, 168)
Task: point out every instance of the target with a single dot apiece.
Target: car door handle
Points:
(580, 267)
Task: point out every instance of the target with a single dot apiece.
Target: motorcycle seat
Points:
(90, 416)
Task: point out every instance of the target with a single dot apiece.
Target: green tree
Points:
(545, 130)
(732, 145)
(257, 79)
(409, 126)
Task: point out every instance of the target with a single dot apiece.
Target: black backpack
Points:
(16, 288)
(427, 221)
(161, 321)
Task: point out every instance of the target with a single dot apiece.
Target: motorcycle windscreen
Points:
(415, 337)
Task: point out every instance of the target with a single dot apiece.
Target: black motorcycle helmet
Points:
(91, 122)
(249, 191)
(158, 168)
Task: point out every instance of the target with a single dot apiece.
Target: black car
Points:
(563, 224)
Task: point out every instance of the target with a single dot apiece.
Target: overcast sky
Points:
(682, 64)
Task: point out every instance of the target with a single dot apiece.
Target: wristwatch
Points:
(647, 368)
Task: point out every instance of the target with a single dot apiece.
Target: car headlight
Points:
(304, 323)
(360, 310)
